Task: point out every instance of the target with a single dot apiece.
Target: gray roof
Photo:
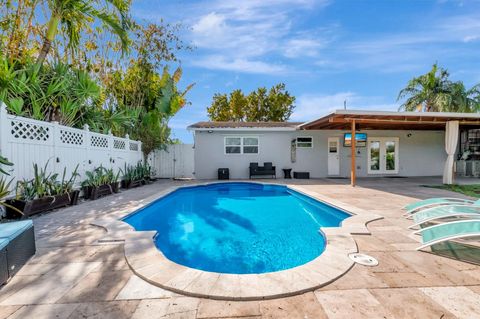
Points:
(236, 125)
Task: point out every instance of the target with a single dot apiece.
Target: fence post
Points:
(110, 148)
(4, 134)
(87, 160)
(127, 149)
(55, 139)
(3, 128)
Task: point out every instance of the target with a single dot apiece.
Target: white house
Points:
(385, 143)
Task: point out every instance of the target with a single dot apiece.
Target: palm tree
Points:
(462, 100)
(74, 15)
(434, 92)
(426, 92)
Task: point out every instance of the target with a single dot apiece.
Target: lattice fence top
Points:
(29, 131)
(99, 141)
(18, 129)
(133, 146)
(71, 137)
(119, 144)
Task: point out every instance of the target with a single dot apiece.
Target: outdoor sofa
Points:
(17, 245)
(266, 170)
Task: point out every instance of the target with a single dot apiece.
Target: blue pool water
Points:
(238, 228)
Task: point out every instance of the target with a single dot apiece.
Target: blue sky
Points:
(325, 51)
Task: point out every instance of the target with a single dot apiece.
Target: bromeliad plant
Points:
(130, 173)
(135, 175)
(145, 171)
(101, 181)
(44, 192)
(45, 184)
(5, 184)
(100, 176)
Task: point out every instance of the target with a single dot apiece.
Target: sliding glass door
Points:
(383, 155)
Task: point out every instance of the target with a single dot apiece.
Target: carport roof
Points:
(384, 120)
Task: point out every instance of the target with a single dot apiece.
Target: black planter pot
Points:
(93, 193)
(115, 187)
(131, 184)
(74, 196)
(41, 205)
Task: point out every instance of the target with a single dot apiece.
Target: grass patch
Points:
(469, 190)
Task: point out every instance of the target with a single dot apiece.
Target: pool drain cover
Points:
(363, 259)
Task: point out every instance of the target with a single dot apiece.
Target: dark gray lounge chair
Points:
(266, 170)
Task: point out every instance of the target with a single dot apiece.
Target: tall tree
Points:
(261, 105)
(74, 15)
(434, 92)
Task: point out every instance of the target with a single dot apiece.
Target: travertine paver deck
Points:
(75, 276)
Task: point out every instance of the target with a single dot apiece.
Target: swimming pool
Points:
(238, 228)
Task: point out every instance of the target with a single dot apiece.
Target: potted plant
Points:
(5, 186)
(132, 176)
(100, 182)
(146, 173)
(44, 192)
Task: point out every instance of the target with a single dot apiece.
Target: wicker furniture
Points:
(223, 173)
(287, 173)
(21, 244)
(266, 170)
(3, 261)
(301, 175)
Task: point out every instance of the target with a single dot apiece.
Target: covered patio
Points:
(353, 121)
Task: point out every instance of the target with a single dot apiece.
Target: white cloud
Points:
(219, 62)
(471, 38)
(210, 24)
(238, 36)
(413, 50)
(299, 47)
(311, 106)
(253, 33)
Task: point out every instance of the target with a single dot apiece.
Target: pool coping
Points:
(147, 262)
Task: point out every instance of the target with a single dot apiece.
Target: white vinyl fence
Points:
(26, 142)
(177, 161)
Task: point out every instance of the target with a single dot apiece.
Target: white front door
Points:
(383, 155)
(333, 156)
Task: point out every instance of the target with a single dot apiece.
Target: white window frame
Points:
(242, 145)
(311, 143)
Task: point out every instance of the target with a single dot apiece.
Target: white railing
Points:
(26, 142)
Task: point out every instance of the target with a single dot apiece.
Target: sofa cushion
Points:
(13, 229)
(3, 243)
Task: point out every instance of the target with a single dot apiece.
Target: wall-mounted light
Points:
(409, 135)
(209, 131)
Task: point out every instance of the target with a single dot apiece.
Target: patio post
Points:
(353, 177)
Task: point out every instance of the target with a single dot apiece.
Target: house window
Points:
(241, 145)
(233, 145)
(250, 145)
(304, 142)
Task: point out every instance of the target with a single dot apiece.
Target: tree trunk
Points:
(49, 37)
(43, 53)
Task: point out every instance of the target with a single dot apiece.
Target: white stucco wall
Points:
(421, 154)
